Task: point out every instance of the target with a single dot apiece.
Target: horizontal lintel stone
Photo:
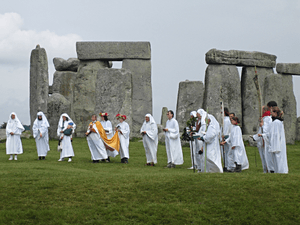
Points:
(240, 58)
(288, 68)
(114, 51)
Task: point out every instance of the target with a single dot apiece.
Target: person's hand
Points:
(165, 129)
(259, 135)
(87, 133)
(62, 138)
(11, 133)
(41, 135)
(261, 122)
(233, 147)
(61, 131)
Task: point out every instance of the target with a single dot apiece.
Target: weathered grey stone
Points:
(162, 137)
(222, 82)
(113, 94)
(298, 129)
(246, 137)
(39, 82)
(190, 98)
(66, 65)
(164, 116)
(84, 100)
(113, 50)
(240, 58)
(50, 90)
(279, 88)
(141, 91)
(57, 105)
(160, 128)
(288, 68)
(250, 104)
(63, 83)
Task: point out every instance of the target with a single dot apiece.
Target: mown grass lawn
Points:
(52, 192)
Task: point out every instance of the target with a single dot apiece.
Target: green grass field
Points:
(80, 192)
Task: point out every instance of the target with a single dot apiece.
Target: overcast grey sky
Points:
(180, 33)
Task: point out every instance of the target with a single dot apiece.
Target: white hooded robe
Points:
(150, 139)
(41, 127)
(13, 142)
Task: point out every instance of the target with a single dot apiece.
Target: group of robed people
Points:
(209, 141)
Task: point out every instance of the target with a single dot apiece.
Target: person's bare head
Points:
(13, 116)
(147, 119)
(94, 117)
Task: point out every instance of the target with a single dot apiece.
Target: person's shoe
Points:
(60, 160)
(191, 168)
(199, 171)
(16, 157)
(108, 159)
(147, 164)
(11, 157)
(152, 164)
(225, 169)
(238, 168)
(70, 160)
(168, 166)
(40, 158)
(126, 161)
(271, 171)
(122, 160)
(173, 165)
(43, 158)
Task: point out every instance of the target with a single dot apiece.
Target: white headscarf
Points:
(12, 124)
(214, 123)
(45, 122)
(193, 113)
(60, 123)
(203, 115)
(151, 119)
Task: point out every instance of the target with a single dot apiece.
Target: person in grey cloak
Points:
(40, 134)
(150, 139)
(14, 129)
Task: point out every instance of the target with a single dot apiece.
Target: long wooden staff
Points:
(259, 99)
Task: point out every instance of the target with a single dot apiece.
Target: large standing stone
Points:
(190, 98)
(141, 91)
(298, 129)
(222, 82)
(113, 50)
(113, 94)
(39, 82)
(250, 103)
(66, 65)
(57, 105)
(85, 93)
(63, 83)
(164, 116)
(288, 68)
(240, 58)
(279, 88)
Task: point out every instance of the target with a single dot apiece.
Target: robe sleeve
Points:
(210, 135)
(236, 138)
(109, 127)
(35, 130)
(275, 136)
(153, 132)
(125, 130)
(174, 132)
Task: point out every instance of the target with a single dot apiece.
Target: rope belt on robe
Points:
(110, 144)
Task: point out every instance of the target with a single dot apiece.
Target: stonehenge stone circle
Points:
(83, 84)
(39, 82)
(240, 58)
(190, 98)
(288, 68)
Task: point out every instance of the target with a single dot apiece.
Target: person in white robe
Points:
(237, 146)
(109, 133)
(14, 129)
(66, 144)
(150, 139)
(228, 154)
(123, 130)
(40, 134)
(95, 143)
(211, 139)
(172, 141)
(262, 144)
(201, 128)
(276, 138)
(193, 144)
